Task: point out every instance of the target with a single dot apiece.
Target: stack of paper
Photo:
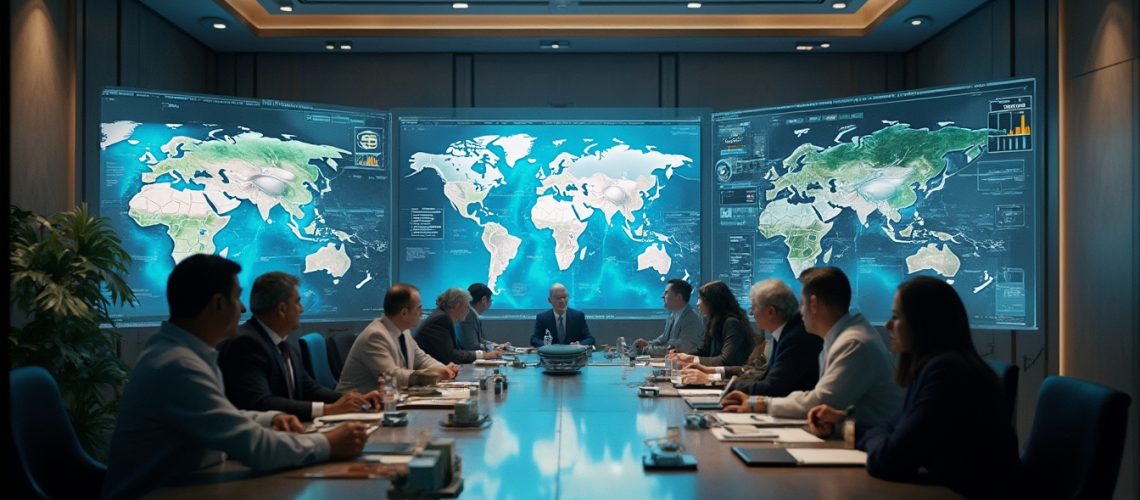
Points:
(759, 420)
(768, 434)
(828, 456)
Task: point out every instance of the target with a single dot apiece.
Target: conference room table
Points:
(569, 436)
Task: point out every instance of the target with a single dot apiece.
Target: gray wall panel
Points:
(382, 81)
(963, 53)
(1099, 33)
(566, 80)
(169, 59)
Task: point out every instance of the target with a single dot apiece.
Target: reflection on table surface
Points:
(571, 436)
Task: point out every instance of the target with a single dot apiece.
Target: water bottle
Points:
(548, 339)
(389, 394)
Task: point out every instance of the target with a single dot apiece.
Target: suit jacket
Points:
(729, 345)
(687, 335)
(757, 364)
(436, 336)
(377, 352)
(471, 331)
(794, 365)
(576, 328)
(256, 379)
(954, 423)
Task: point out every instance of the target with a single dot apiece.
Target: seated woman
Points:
(728, 336)
(953, 422)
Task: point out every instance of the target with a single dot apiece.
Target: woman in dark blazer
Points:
(953, 422)
(728, 336)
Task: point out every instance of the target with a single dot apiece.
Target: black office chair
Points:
(54, 464)
(316, 360)
(339, 345)
(1077, 440)
(1008, 375)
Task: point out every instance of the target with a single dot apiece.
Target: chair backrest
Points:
(1008, 374)
(1077, 440)
(316, 359)
(339, 345)
(45, 443)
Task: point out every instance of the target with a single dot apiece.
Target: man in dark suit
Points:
(794, 362)
(438, 336)
(471, 336)
(566, 325)
(263, 371)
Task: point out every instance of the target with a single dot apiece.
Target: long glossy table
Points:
(571, 436)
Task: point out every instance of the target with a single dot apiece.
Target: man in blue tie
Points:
(438, 336)
(566, 325)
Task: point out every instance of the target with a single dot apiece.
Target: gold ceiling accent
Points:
(832, 24)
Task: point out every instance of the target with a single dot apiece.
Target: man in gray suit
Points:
(471, 336)
(386, 347)
(683, 328)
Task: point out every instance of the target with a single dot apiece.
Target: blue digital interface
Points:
(272, 185)
(610, 208)
(940, 182)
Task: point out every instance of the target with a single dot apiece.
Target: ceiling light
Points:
(694, 5)
(214, 23)
(345, 46)
(330, 46)
(839, 5)
(919, 21)
(286, 8)
(459, 5)
(284, 5)
(804, 47)
(825, 45)
(553, 44)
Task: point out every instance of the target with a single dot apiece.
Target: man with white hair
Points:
(565, 325)
(794, 363)
(439, 336)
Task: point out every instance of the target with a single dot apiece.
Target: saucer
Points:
(483, 422)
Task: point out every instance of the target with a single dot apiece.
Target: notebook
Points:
(763, 434)
(785, 457)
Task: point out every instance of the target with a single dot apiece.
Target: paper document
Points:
(769, 434)
(759, 419)
(699, 392)
(828, 456)
(428, 403)
(388, 459)
(657, 364)
(349, 417)
(455, 385)
(490, 362)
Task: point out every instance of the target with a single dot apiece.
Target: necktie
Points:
(456, 333)
(479, 330)
(287, 362)
(561, 329)
(404, 351)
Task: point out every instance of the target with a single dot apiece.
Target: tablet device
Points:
(765, 457)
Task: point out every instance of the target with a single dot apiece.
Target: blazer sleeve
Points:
(586, 338)
(843, 383)
(245, 366)
(735, 348)
(691, 332)
(468, 335)
(311, 390)
(436, 340)
(794, 367)
(536, 338)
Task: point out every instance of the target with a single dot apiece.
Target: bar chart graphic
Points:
(1010, 122)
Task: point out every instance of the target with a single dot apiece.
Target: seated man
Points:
(385, 348)
(471, 335)
(174, 416)
(794, 362)
(263, 372)
(857, 368)
(566, 325)
(437, 335)
(684, 330)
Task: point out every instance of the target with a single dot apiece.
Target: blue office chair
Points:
(316, 359)
(339, 345)
(1077, 439)
(1008, 375)
(54, 464)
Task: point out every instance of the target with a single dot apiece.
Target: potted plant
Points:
(66, 271)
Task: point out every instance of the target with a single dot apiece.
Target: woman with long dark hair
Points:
(954, 422)
(728, 336)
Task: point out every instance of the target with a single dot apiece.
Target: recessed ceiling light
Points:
(839, 5)
(553, 44)
(345, 46)
(919, 21)
(804, 47)
(459, 5)
(214, 23)
(286, 8)
(284, 5)
(825, 45)
(330, 46)
(694, 5)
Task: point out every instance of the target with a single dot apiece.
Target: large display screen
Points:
(609, 207)
(942, 182)
(273, 185)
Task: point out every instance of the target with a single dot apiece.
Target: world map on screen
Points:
(611, 211)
